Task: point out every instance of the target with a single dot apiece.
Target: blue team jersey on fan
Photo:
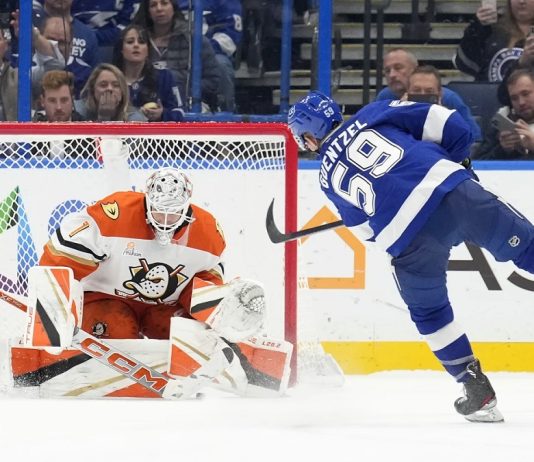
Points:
(224, 22)
(106, 17)
(167, 95)
(388, 167)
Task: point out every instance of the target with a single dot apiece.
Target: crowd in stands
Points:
(498, 46)
(399, 67)
(104, 60)
(128, 60)
(170, 45)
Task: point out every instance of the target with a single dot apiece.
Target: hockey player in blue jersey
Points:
(395, 171)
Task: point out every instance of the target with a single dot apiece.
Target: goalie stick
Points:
(128, 366)
(277, 236)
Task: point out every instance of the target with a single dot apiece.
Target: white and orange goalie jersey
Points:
(124, 270)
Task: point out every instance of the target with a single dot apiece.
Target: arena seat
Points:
(481, 97)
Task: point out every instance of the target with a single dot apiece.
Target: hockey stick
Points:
(12, 301)
(127, 365)
(121, 362)
(276, 236)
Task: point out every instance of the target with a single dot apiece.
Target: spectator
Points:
(8, 81)
(424, 85)
(84, 48)
(492, 42)
(517, 143)
(58, 103)
(152, 90)
(53, 48)
(223, 28)
(56, 98)
(48, 54)
(399, 64)
(170, 48)
(106, 97)
(56, 30)
(526, 60)
(106, 17)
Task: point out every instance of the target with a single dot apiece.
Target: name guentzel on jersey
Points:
(337, 146)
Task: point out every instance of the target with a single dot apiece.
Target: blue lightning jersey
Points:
(222, 23)
(106, 17)
(387, 168)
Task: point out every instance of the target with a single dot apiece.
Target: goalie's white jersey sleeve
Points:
(112, 250)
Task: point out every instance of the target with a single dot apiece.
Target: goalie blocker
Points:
(238, 362)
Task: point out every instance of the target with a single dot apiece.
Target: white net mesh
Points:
(146, 152)
(64, 152)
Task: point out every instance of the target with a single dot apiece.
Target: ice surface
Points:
(399, 416)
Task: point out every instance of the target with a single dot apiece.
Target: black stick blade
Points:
(276, 236)
(272, 230)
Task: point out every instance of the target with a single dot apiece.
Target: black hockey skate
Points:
(480, 402)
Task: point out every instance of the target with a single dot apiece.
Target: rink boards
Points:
(353, 307)
(347, 300)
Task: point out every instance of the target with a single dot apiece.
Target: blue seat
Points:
(481, 97)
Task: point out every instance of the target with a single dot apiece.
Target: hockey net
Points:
(50, 170)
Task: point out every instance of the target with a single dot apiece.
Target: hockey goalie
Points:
(142, 270)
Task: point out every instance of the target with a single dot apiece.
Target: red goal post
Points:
(49, 170)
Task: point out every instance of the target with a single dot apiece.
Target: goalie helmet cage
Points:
(48, 148)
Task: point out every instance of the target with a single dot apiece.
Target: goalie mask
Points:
(168, 197)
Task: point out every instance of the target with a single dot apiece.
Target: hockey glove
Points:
(467, 164)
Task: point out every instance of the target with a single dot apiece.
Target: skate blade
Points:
(488, 414)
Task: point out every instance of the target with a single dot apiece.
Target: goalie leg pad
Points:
(32, 367)
(266, 363)
(259, 366)
(197, 352)
(191, 345)
(54, 307)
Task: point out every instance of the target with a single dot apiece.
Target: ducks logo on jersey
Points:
(153, 282)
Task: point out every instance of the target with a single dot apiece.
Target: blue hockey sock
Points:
(455, 357)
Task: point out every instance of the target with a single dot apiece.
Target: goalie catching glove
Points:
(241, 309)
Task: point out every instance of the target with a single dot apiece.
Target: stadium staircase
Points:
(432, 33)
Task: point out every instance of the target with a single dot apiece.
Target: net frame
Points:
(20, 132)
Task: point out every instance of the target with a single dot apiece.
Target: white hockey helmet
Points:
(168, 196)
